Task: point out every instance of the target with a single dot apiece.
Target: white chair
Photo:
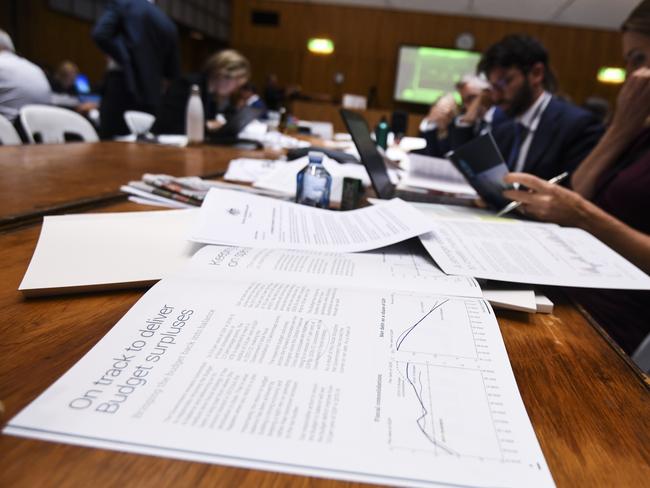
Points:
(8, 134)
(52, 123)
(139, 123)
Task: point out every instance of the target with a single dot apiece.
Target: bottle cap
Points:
(315, 155)
(196, 90)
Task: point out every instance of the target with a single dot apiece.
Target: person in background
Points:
(224, 73)
(599, 107)
(21, 81)
(63, 80)
(611, 197)
(141, 43)
(434, 128)
(545, 135)
(274, 94)
(444, 129)
(248, 97)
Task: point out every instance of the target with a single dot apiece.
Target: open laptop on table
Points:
(228, 134)
(378, 172)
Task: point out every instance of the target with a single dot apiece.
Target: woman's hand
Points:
(633, 104)
(547, 202)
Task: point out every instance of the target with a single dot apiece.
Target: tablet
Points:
(482, 164)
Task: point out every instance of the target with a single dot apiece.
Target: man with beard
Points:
(545, 135)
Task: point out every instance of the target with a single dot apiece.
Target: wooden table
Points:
(44, 179)
(589, 406)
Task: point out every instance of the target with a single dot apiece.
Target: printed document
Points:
(543, 254)
(435, 174)
(239, 219)
(399, 386)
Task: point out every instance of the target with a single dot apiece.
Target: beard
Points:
(522, 100)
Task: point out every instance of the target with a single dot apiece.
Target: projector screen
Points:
(426, 73)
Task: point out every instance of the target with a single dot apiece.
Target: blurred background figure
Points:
(434, 128)
(64, 79)
(226, 72)
(599, 107)
(248, 97)
(223, 75)
(476, 107)
(274, 94)
(141, 43)
(21, 81)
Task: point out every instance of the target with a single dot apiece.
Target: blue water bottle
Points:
(314, 182)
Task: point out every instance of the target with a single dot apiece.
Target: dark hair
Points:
(639, 19)
(519, 51)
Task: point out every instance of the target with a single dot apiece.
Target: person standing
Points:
(142, 45)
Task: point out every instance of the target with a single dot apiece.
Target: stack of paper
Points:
(355, 367)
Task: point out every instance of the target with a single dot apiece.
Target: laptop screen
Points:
(370, 157)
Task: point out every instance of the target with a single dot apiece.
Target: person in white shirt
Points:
(435, 128)
(21, 81)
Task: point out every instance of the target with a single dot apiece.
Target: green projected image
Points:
(426, 73)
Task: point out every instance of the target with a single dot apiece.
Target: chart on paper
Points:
(446, 398)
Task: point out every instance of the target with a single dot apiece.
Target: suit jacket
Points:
(143, 41)
(436, 147)
(566, 134)
(462, 135)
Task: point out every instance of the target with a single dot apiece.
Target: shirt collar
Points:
(530, 118)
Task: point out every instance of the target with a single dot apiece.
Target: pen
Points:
(513, 205)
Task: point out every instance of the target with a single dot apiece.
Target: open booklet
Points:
(304, 363)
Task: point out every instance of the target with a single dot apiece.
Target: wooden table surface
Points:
(588, 405)
(43, 179)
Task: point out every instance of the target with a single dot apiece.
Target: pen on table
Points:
(513, 205)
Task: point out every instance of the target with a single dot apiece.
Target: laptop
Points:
(228, 134)
(375, 165)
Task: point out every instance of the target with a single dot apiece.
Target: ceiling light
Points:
(320, 46)
(607, 74)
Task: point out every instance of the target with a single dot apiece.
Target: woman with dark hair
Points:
(611, 197)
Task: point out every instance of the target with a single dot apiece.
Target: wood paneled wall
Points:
(367, 40)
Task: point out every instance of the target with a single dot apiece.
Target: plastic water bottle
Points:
(314, 183)
(381, 133)
(194, 122)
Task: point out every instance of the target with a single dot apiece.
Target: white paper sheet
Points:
(435, 174)
(247, 170)
(509, 297)
(92, 251)
(530, 253)
(388, 386)
(239, 219)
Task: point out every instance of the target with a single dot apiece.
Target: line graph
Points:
(444, 411)
(433, 325)
(405, 334)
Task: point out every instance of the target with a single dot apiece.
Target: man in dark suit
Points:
(544, 135)
(141, 42)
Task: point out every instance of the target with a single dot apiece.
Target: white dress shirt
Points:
(530, 119)
(21, 83)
